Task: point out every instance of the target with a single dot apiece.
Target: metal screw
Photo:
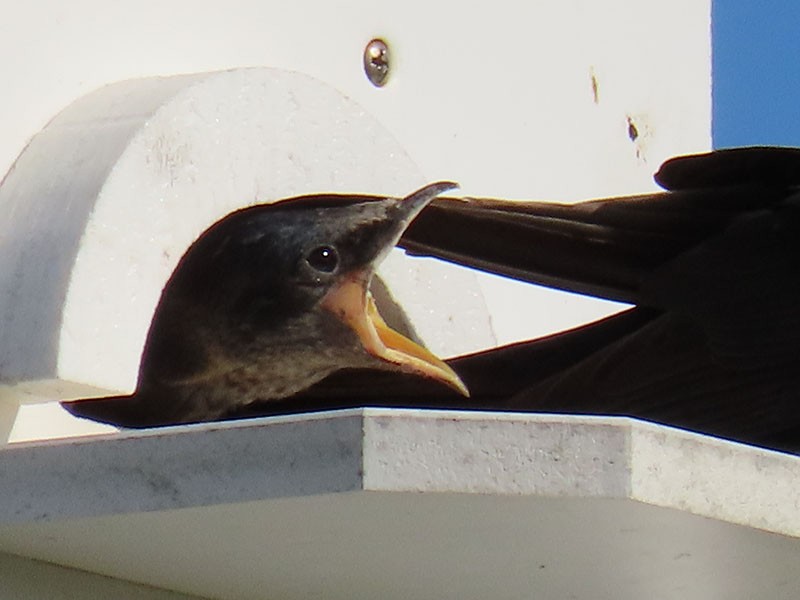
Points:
(376, 62)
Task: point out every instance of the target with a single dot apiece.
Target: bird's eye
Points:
(323, 258)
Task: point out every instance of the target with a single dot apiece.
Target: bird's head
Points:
(296, 274)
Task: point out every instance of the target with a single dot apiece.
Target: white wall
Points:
(512, 99)
(497, 96)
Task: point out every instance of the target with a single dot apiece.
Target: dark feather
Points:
(717, 260)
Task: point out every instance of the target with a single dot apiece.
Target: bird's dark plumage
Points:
(711, 266)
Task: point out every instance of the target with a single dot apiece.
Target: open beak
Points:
(351, 302)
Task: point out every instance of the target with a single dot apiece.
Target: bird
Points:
(710, 266)
(267, 301)
(709, 345)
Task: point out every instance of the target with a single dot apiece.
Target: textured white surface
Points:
(401, 504)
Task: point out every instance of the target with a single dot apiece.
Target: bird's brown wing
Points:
(603, 248)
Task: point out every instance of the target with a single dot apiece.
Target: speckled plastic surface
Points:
(439, 504)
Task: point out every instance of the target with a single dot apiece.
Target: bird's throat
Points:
(351, 302)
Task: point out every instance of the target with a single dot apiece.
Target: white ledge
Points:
(441, 504)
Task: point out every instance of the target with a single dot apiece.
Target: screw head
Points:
(376, 62)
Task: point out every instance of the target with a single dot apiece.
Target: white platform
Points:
(379, 503)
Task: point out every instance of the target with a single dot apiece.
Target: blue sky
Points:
(756, 72)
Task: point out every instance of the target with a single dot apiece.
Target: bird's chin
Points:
(351, 303)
